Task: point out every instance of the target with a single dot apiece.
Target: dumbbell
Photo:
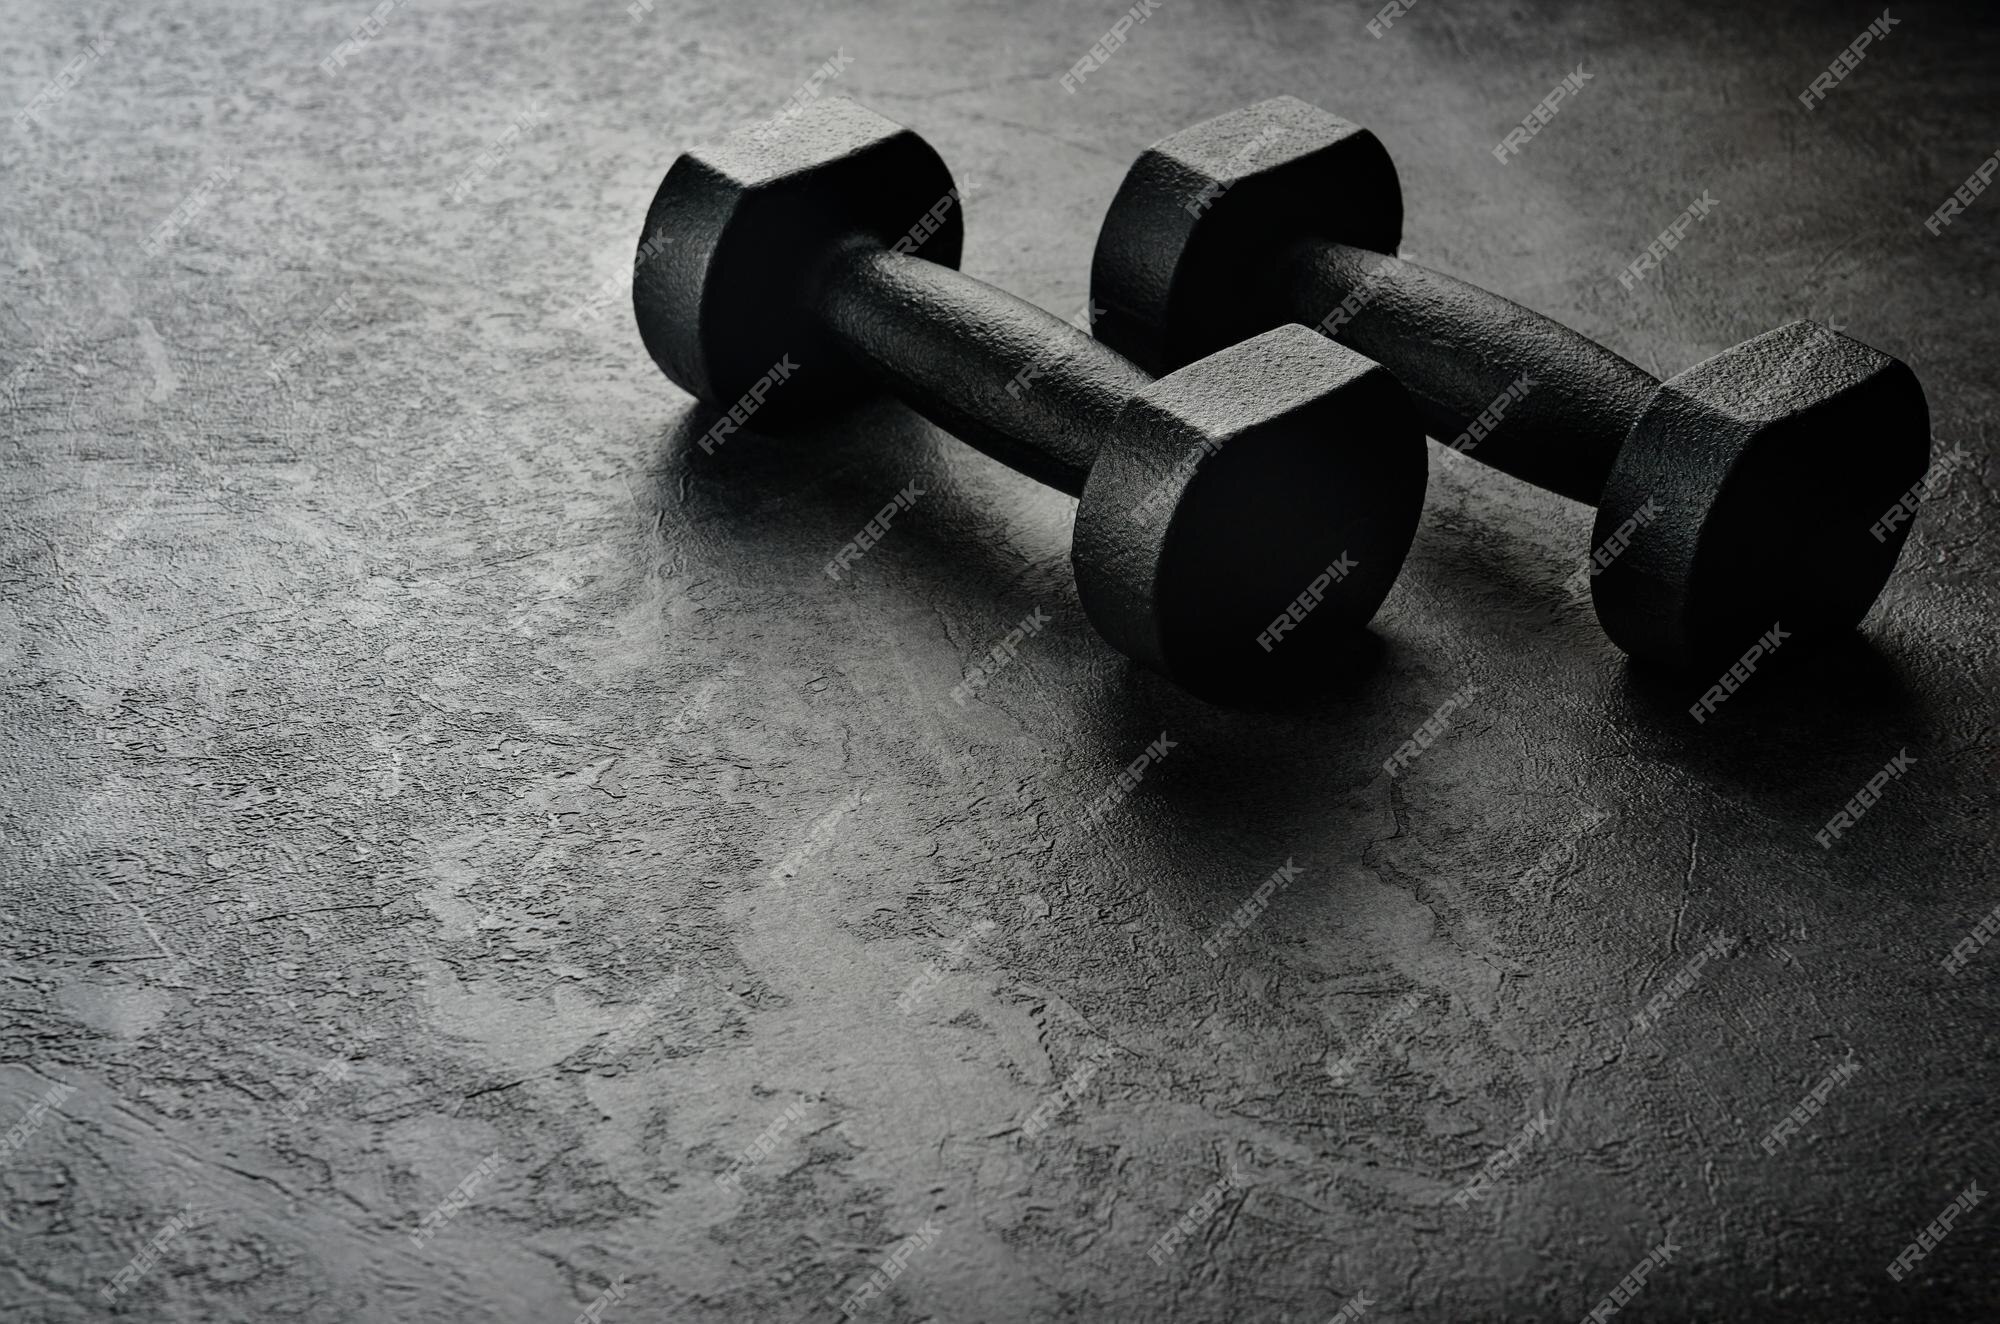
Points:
(1236, 520)
(1735, 496)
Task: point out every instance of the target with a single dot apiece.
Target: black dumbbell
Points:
(1735, 496)
(1212, 503)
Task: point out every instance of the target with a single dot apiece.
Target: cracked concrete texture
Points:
(404, 720)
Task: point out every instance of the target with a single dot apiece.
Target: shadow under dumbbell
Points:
(828, 482)
(1845, 678)
(754, 471)
(761, 515)
(1286, 759)
(949, 543)
(1789, 737)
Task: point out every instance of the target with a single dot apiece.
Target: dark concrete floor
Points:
(404, 723)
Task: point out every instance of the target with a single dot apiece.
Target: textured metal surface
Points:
(1281, 211)
(447, 703)
(1279, 478)
(1754, 487)
(955, 350)
(727, 274)
(1257, 475)
(1183, 256)
(1459, 348)
(1747, 493)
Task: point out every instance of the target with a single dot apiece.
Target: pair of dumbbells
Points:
(1240, 516)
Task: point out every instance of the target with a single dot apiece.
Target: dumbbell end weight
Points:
(1251, 514)
(1742, 496)
(1175, 263)
(738, 236)
(1238, 520)
(1283, 212)
(1751, 495)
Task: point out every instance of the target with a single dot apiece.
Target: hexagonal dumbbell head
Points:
(737, 236)
(1745, 497)
(1249, 512)
(1199, 214)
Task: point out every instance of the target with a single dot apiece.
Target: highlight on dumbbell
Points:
(1743, 493)
(1211, 501)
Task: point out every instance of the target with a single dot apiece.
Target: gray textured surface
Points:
(443, 702)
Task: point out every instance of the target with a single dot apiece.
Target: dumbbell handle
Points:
(1458, 349)
(1019, 383)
